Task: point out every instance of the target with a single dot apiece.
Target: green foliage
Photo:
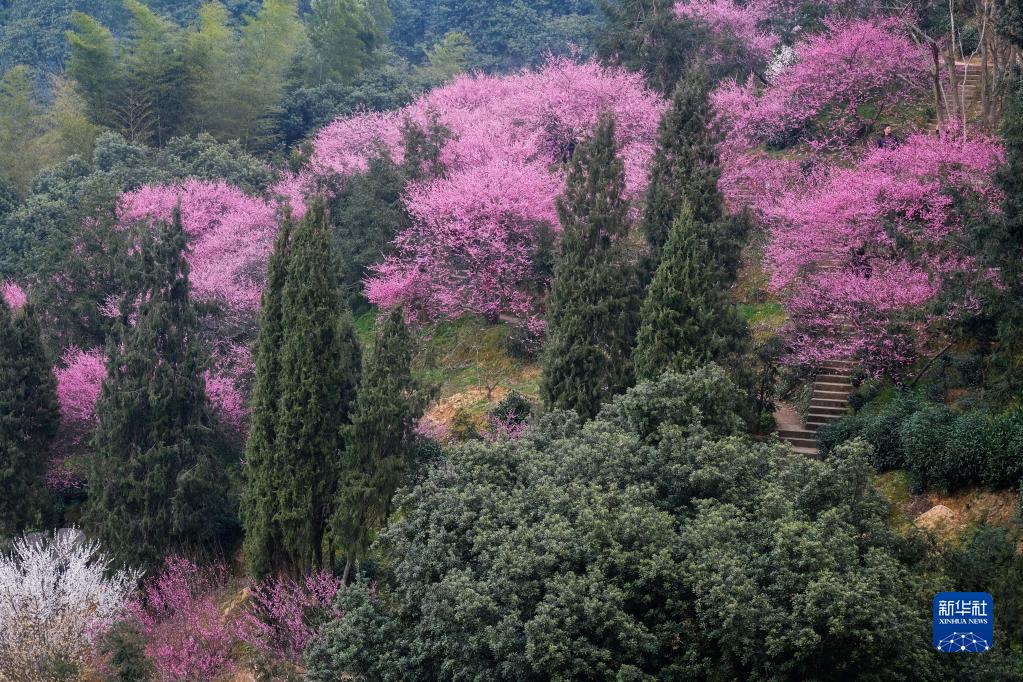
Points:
(515, 407)
(380, 442)
(687, 318)
(704, 395)
(686, 169)
(47, 240)
(156, 480)
(938, 446)
(647, 36)
(28, 420)
(344, 35)
(592, 318)
(125, 647)
(988, 562)
(320, 364)
(583, 553)
(259, 498)
(506, 35)
(1010, 20)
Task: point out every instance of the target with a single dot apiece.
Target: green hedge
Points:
(937, 445)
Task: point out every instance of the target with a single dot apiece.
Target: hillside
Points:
(535, 340)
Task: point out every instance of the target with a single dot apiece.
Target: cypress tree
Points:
(1000, 240)
(687, 319)
(686, 168)
(29, 416)
(320, 364)
(259, 498)
(380, 440)
(155, 486)
(594, 303)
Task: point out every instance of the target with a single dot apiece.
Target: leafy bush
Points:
(1005, 451)
(596, 553)
(830, 436)
(923, 436)
(939, 446)
(882, 432)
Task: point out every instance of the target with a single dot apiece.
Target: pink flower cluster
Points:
(873, 243)
(821, 97)
(736, 28)
(13, 295)
(477, 229)
(279, 619)
(187, 637)
(190, 637)
(231, 235)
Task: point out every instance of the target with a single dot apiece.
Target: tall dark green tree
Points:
(320, 365)
(686, 168)
(28, 419)
(156, 484)
(259, 498)
(1001, 243)
(647, 36)
(687, 319)
(594, 300)
(380, 440)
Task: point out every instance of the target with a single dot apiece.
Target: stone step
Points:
(829, 402)
(833, 378)
(830, 395)
(809, 452)
(831, 387)
(828, 410)
(815, 421)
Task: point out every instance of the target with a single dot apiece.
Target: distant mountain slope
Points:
(32, 31)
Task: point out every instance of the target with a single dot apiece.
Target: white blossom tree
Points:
(57, 596)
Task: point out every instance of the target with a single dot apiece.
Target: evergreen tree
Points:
(686, 168)
(379, 442)
(155, 483)
(594, 300)
(1001, 243)
(28, 419)
(320, 364)
(259, 498)
(687, 319)
(647, 36)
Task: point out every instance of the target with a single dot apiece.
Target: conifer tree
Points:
(28, 419)
(594, 301)
(320, 364)
(155, 483)
(259, 498)
(685, 167)
(380, 440)
(687, 319)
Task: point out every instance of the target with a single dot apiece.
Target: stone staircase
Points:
(832, 385)
(829, 402)
(968, 79)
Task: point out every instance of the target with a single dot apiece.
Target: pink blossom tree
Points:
(13, 295)
(740, 37)
(187, 638)
(859, 252)
(478, 229)
(840, 82)
(282, 613)
(231, 236)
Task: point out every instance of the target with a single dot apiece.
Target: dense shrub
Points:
(1005, 451)
(882, 432)
(590, 552)
(834, 434)
(936, 444)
